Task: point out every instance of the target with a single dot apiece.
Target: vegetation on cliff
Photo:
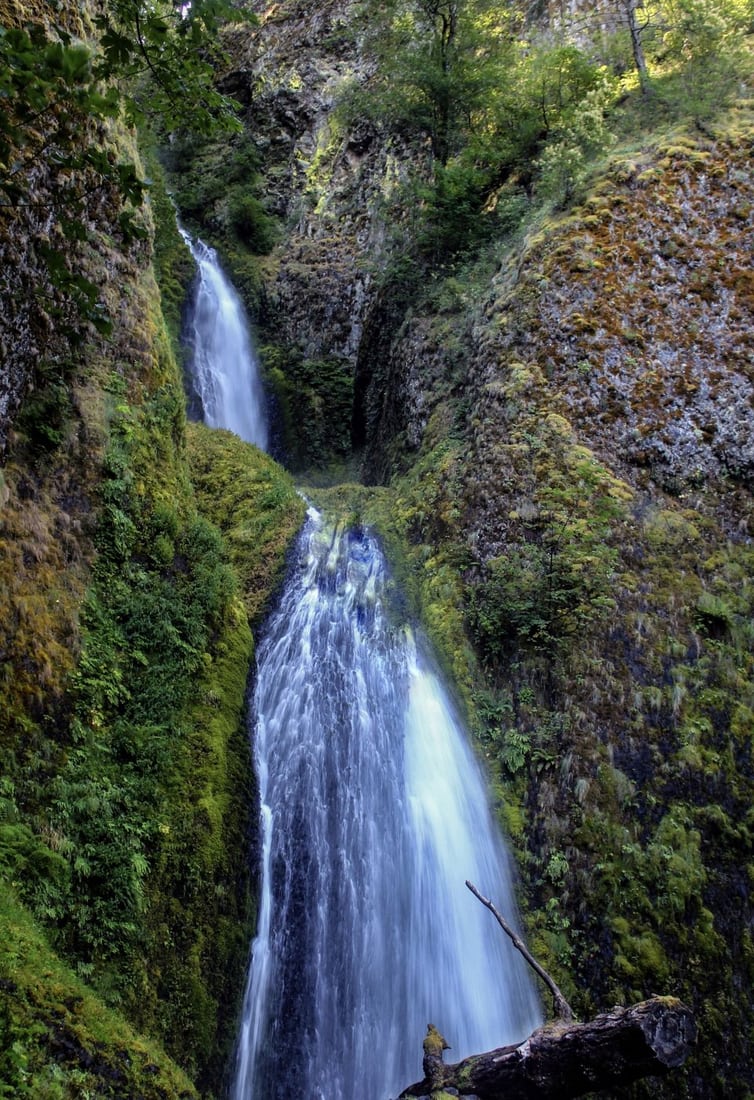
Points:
(596, 540)
(513, 269)
(254, 505)
(126, 795)
(124, 767)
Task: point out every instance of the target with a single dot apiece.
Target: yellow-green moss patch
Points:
(253, 502)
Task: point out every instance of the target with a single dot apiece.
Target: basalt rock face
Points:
(633, 321)
(644, 323)
(24, 330)
(599, 387)
(660, 390)
(642, 383)
(33, 311)
(320, 177)
(329, 175)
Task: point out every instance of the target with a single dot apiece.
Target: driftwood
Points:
(563, 1059)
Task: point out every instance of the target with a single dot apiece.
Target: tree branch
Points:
(563, 1010)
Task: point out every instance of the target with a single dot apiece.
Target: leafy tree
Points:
(167, 53)
(628, 14)
(56, 168)
(440, 62)
(437, 61)
(580, 133)
(488, 97)
(704, 41)
(699, 40)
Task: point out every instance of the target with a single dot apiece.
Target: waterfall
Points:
(374, 813)
(223, 365)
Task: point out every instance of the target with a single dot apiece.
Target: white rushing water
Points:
(374, 815)
(222, 361)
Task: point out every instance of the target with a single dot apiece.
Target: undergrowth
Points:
(127, 788)
(58, 1039)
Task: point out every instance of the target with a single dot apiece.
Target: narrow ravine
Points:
(374, 813)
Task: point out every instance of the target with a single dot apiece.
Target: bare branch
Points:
(563, 1010)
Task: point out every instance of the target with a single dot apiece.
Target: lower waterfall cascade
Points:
(374, 813)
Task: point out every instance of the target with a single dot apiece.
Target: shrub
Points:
(251, 224)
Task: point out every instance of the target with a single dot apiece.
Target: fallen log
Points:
(565, 1059)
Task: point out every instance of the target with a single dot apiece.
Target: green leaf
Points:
(118, 48)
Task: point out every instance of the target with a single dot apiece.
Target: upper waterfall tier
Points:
(223, 364)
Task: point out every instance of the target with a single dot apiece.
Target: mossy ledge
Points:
(254, 503)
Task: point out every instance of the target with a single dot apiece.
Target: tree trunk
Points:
(563, 1059)
(637, 50)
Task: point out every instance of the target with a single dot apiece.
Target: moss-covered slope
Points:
(125, 769)
(57, 1039)
(254, 504)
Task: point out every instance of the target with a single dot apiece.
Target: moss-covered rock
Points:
(58, 1038)
(255, 505)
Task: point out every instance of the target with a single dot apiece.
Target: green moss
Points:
(59, 1039)
(669, 529)
(314, 400)
(254, 503)
(173, 266)
(201, 913)
(125, 811)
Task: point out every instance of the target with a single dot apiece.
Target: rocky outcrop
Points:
(25, 328)
(328, 174)
(641, 316)
(39, 312)
(629, 324)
